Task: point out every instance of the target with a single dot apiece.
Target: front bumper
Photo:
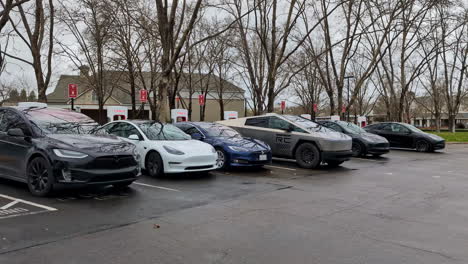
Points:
(379, 148)
(181, 164)
(249, 159)
(96, 171)
(337, 155)
(438, 145)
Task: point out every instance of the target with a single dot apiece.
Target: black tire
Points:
(334, 163)
(221, 161)
(122, 185)
(40, 178)
(358, 149)
(154, 165)
(423, 146)
(308, 156)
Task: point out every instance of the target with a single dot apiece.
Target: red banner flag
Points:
(72, 90)
(143, 96)
(201, 99)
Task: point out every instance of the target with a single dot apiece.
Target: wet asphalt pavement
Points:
(407, 207)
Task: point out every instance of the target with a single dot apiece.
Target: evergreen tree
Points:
(32, 96)
(14, 96)
(23, 96)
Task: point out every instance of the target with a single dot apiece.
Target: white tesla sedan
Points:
(163, 148)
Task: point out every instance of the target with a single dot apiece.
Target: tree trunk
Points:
(162, 97)
(452, 125)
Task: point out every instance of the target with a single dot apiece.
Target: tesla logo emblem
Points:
(116, 159)
(283, 139)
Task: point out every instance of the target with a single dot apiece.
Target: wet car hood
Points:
(371, 137)
(248, 143)
(91, 143)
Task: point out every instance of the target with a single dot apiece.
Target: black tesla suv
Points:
(47, 147)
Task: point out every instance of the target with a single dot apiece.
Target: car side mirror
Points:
(15, 132)
(134, 137)
(290, 128)
(197, 136)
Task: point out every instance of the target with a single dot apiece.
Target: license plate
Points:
(263, 157)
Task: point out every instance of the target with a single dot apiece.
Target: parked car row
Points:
(47, 147)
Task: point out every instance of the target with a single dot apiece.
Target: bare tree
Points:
(35, 27)
(92, 53)
(454, 57)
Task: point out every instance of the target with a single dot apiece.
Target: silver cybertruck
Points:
(294, 137)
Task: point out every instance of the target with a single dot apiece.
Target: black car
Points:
(401, 135)
(363, 142)
(47, 147)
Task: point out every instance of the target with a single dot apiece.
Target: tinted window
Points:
(397, 128)
(158, 131)
(12, 120)
(215, 130)
(192, 130)
(257, 122)
(308, 124)
(334, 126)
(123, 130)
(278, 123)
(385, 127)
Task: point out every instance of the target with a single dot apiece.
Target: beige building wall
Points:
(212, 109)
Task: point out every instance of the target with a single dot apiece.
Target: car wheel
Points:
(357, 149)
(422, 146)
(334, 163)
(307, 156)
(122, 185)
(154, 164)
(40, 178)
(221, 161)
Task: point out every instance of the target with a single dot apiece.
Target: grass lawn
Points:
(453, 137)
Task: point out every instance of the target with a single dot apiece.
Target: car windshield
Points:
(215, 130)
(158, 131)
(308, 124)
(60, 121)
(350, 127)
(413, 128)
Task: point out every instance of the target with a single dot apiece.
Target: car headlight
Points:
(174, 151)
(63, 153)
(238, 149)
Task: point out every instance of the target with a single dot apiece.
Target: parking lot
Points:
(405, 207)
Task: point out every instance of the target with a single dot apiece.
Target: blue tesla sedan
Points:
(233, 149)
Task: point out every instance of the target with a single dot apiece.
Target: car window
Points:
(192, 130)
(278, 123)
(257, 122)
(12, 120)
(385, 127)
(397, 128)
(159, 131)
(104, 130)
(335, 127)
(123, 130)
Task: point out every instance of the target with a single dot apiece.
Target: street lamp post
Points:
(347, 106)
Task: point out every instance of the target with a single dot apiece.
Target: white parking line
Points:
(28, 202)
(8, 205)
(282, 168)
(155, 186)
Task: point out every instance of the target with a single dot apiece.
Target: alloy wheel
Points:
(39, 175)
(220, 161)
